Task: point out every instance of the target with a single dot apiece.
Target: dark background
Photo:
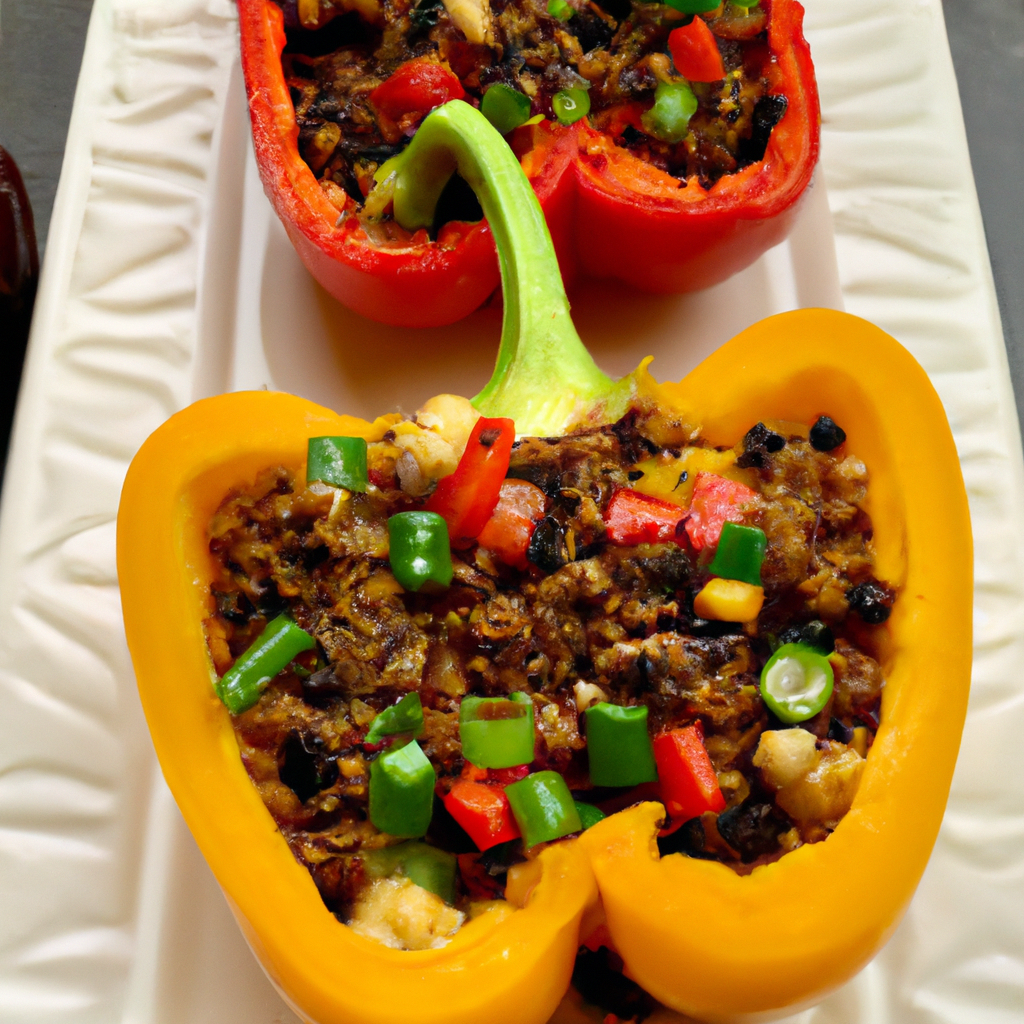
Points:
(41, 44)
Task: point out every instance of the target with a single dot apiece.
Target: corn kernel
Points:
(860, 740)
(729, 601)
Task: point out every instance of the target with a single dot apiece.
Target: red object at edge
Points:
(634, 518)
(483, 811)
(508, 532)
(466, 499)
(416, 88)
(689, 785)
(695, 52)
(715, 502)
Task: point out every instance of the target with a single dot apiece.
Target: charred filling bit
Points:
(586, 620)
(339, 52)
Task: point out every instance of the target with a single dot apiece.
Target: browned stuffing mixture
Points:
(586, 621)
(616, 49)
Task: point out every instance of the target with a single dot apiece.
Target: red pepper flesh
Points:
(715, 502)
(695, 52)
(483, 811)
(466, 499)
(507, 533)
(609, 213)
(634, 518)
(689, 785)
(416, 88)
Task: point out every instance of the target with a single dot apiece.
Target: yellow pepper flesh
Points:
(699, 937)
(720, 946)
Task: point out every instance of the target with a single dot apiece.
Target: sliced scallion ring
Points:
(796, 683)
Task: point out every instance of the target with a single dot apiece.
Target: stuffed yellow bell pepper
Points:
(698, 936)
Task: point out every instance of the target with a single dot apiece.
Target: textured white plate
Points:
(107, 913)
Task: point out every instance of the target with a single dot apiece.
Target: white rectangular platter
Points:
(168, 278)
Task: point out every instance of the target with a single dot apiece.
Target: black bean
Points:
(817, 635)
(547, 545)
(872, 601)
(838, 731)
(791, 635)
(303, 769)
(688, 839)
(826, 434)
(760, 438)
(752, 829)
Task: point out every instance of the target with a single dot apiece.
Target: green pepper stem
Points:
(544, 378)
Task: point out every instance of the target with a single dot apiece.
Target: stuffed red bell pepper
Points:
(668, 142)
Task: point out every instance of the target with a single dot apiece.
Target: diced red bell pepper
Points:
(635, 518)
(466, 499)
(416, 88)
(506, 776)
(715, 502)
(689, 785)
(695, 52)
(507, 533)
(483, 811)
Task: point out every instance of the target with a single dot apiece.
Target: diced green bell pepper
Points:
(405, 716)
(740, 554)
(694, 6)
(669, 118)
(240, 687)
(796, 682)
(506, 108)
(589, 814)
(618, 745)
(430, 868)
(497, 732)
(339, 461)
(543, 808)
(402, 791)
(570, 105)
(420, 552)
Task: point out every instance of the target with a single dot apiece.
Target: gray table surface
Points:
(41, 44)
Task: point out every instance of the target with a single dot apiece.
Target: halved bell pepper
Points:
(610, 213)
(762, 945)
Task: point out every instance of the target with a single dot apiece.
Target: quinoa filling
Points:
(617, 52)
(583, 617)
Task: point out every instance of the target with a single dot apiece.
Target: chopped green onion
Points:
(796, 683)
(589, 814)
(669, 118)
(240, 687)
(694, 6)
(543, 808)
(427, 866)
(740, 554)
(570, 105)
(618, 745)
(339, 461)
(745, 4)
(497, 732)
(420, 553)
(506, 108)
(402, 791)
(405, 716)
(560, 9)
